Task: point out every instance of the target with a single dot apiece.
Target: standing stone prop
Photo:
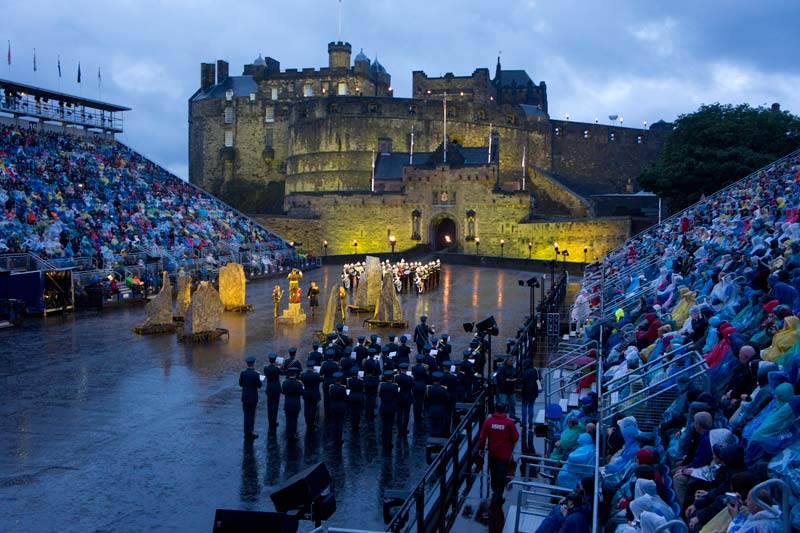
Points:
(369, 286)
(294, 314)
(184, 295)
(232, 286)
(333, 309)
(159, 309)
(158, 312)
(206, 310)
(388, 308)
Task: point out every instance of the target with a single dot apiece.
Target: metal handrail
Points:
(571, 383)
(579, 348)
(535, 485)
(650, 366)
(536, 458)
(659, 392)
(785, 489)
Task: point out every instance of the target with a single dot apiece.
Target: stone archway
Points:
(443, 233)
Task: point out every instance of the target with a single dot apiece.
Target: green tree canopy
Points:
(717, 145)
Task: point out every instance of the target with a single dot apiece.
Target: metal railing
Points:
(429, 505)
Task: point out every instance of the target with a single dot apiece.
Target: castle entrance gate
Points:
(444, 233)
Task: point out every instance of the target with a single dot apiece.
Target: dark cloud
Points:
(641, 60)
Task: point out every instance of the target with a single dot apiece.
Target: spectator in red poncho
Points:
(648, 332)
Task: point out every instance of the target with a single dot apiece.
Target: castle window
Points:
(291, 88)
(481, 114)
(372, 107)
(229, 115)
(639, 139)
(612, 137)
(342, 88)
(585, 134)
(470, 225)
(274, 93)
(412, 109)
(557, 132)
(252, 97)
(228, 138)
(308, 90)
(229, 95)
(268, 138)
(270, 114)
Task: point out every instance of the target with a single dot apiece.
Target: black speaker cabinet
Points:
(228, 520)
(302, 488)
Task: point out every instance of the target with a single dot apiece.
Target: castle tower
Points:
(339, 54)
(361, 64)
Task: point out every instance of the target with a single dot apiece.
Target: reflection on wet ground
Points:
(101, 429)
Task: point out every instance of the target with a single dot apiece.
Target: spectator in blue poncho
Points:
(580, 463)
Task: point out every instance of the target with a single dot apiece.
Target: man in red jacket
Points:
(502, 435)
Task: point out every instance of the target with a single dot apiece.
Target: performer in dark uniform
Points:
(292, 362)
(338, 394)
(403, 351)
(360, 350)
(430, 360)
(371, 382)
(292, 395)
(421, 381)
(313, 298)
(391, 344)
(422, 333)
(460, 396)
(437, 402)
(272, 375)
(328, 369)
(250, 382)
(405, 384)
(388, 393)
(356, 398)
(315, 354)
(449, 380)
(386, 361)
(373, 343)
(445, 346)
(311, 395)
(469, 374)
(340, 335)
(347, 363)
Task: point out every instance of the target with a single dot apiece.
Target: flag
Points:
(59, 66)
(34, 59)
(9, 53)
(79, 71)
(99, 79)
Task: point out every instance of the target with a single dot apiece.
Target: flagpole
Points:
(489, 161)
(340, 20)
(99, 81)
(9, 58)
(372, 180)
(35, 74)
(411, 155)
(523, 167)
(444, 145)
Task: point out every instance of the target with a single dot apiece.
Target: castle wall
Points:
(600, 159)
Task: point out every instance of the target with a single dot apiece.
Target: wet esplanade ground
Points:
(104, 430)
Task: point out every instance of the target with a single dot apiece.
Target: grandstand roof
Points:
(62, 97)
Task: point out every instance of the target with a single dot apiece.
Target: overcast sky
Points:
(626, 57)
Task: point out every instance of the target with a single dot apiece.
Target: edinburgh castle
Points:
(328, 157)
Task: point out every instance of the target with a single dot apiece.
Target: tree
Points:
(717, 145)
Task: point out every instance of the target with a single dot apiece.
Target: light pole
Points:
(502, 244)
(392, 241)
(355, 247)
(585, 251)
(530, 249)
(555, 245)
(325, 247)
(477, 245)
(564, 254)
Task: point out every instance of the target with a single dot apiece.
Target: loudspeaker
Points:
(488, 325)
(228, 520)
(302, 488)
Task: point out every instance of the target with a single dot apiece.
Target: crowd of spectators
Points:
(63, 196)
(705, 303)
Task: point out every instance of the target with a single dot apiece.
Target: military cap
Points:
(466, 353)
(339, 327)
(338, 375)
(438, 375)
(330, 351)
(250, 360)
(372, 351)
(426, 347)
(331, 335)
(403, 365)
(384, 349)
(311, 363)
(292, 350)
(388, 373)
(362, 338)
(420, 357)
(272, 356)
(373, 337)
(423, 318)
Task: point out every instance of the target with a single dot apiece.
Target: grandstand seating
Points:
(97, 204)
